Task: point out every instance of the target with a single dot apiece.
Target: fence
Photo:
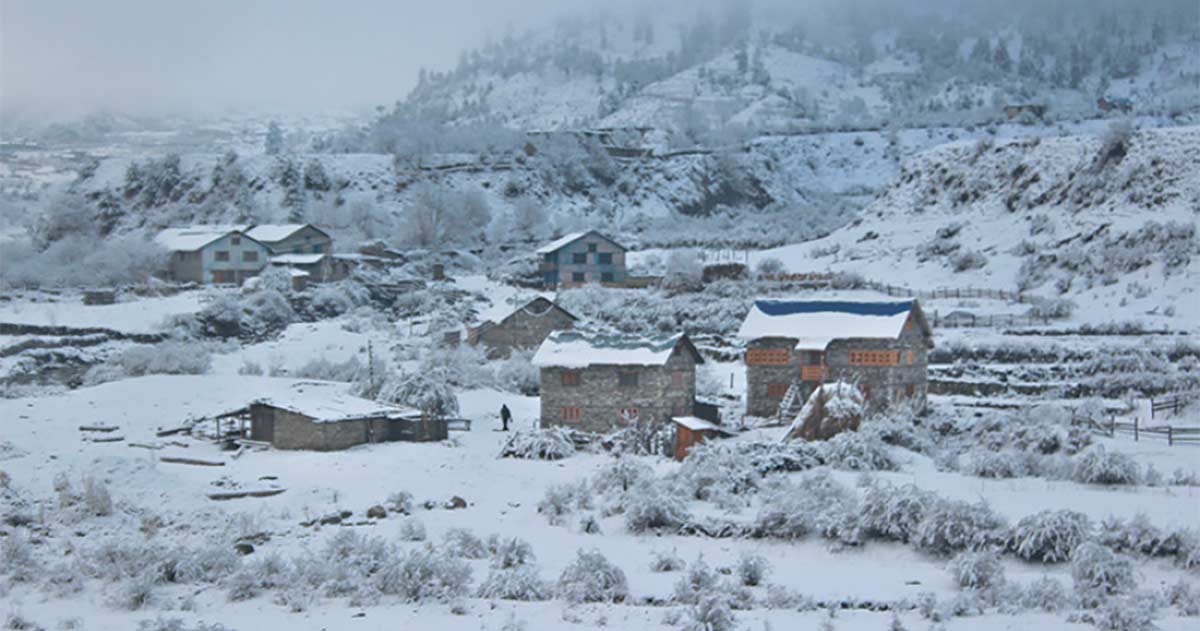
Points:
(1174, 435)
(957, 292)
(1172, 402)
(970, 320)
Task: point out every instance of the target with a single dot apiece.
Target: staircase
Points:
(790, 404)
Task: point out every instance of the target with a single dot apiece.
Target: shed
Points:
(691, 431)
(323, 417)
(523, 328)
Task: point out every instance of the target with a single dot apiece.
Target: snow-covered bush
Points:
(621, 475)
(752, 569)
(977, 570)
(428, 391)
(166, 358)
(321, 368)
(517, 374)
(1046, 594)
(894, 512)
(17, 560)
(817, 504)
(509, 552)
(698, 581)
(714, 467)
(1099, 572)
(643, 437)
(950, 526)
(663, 561)
(1140, 536)
(1096, 465)
(401, 502)
(965, 260)
(654, 505)
(592, 578)
(92, 500)
(712, 613)
(1125, 614)
(553, 443)
(269, 572)
(520, 583)
(412, 529)
(136, 592)
(561, 499)
(985, 463)
(422, 574)
(684, 271)
(857, 451)
(770, 267)
(1049, 536)
(463, 543)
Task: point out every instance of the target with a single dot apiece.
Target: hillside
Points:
(1106, 221)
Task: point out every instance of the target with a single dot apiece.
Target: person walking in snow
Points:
(505, 416)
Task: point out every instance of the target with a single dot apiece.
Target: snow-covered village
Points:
(716, 315)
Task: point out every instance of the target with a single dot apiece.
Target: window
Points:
(221, 255)
(767, 357)
(578, 277)
(550, 257)
(250, 256)
(571, 378)
(591, 247)
(813, 373)
(606, 277)
(811, 358)
(874, 358)
(910, 357)
(604, 258)
(776, 390)
(579, 258)
(317, 248)
(866, 390)
(550, 278)
(571, 414)
(627, 379)
(679, 380)
(910, 390)
(629, 415)
(235, 240)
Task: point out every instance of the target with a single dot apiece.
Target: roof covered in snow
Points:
(579, 349)
(193, 238)
(297, 259)
(329, 403)
(815, 323)
(274, 231)
(566, 240)
(698, 424)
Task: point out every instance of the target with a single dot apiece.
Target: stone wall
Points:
(601, 398)
(759, 377)
(289, 430)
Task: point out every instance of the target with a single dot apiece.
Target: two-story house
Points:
(580, 258)
(212, 254)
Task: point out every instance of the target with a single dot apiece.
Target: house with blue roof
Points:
(793, 346)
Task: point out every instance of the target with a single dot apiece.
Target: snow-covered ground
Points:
(144, 315)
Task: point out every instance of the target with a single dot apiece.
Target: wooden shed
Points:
(691, 431)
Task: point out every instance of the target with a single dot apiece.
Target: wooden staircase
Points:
(790, 404)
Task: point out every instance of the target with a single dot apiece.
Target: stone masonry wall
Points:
(524, 330)
(601, 398)
(296, 431)
(758, 377)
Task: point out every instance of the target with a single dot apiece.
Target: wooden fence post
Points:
(1112, 426)
(1170, 436)
(1135, 429)
(1152, 408)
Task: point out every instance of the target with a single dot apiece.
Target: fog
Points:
(62, 59)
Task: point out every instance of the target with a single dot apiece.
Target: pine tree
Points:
(1001, 58)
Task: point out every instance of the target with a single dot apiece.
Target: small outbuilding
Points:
(318, 417)
(691, 431)
(526, 327)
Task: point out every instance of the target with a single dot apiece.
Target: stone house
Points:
(319, 268)
(527, 327)
(313, 417)
(598, 383)
(212, 254)
(794, 346)
(292, 238)
(580, 258)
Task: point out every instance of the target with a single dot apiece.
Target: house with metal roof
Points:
(793, 346)
(523, 328)
(600, 382)
(580, 258)
(212, 254)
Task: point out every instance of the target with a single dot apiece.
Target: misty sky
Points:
(61, 59)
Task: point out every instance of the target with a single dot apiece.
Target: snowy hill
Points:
(1109, 222)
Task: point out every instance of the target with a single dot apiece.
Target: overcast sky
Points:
(60, 58)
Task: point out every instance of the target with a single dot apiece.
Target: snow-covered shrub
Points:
(412, 529)
(592, 578)
(752, 569)
(520, 583)
(1142, 537)
(684, 271)
(422, 574)
(770, 267)
(977, 570)
(509, 552)
(663, 561)
(428, 391)
(553, 443)
(986, 463)
(1046, 594)
(1125, 614)
(621, 475)
(17, 560)
(713, 467)
(696, 582)
(401, 502)
(330, 300)
(1099, 572)
(561, 499)
(1049, 536)
(965, 260)
(167, 358)
(463, 543)
(269, 572)
(857, 451)
(320, 368)
(589, 524)
(210, 564)
(817, 504)
(711, 613)
(950, 526)
(643, 437)
(654, 505)
(1096, 465)
(517, 374)
(1182, 596)
(894, 512)
(93, 500)
(135, 592)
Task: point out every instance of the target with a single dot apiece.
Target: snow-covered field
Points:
(146, 315)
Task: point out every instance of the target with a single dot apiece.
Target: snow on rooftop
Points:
(697, 424)
(297, 259)
(815, 323)
(556, 244)
(274, 231)
(579, 349)
(193, 238)
(330, 403)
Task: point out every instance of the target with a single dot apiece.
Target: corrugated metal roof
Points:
(815, 323)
